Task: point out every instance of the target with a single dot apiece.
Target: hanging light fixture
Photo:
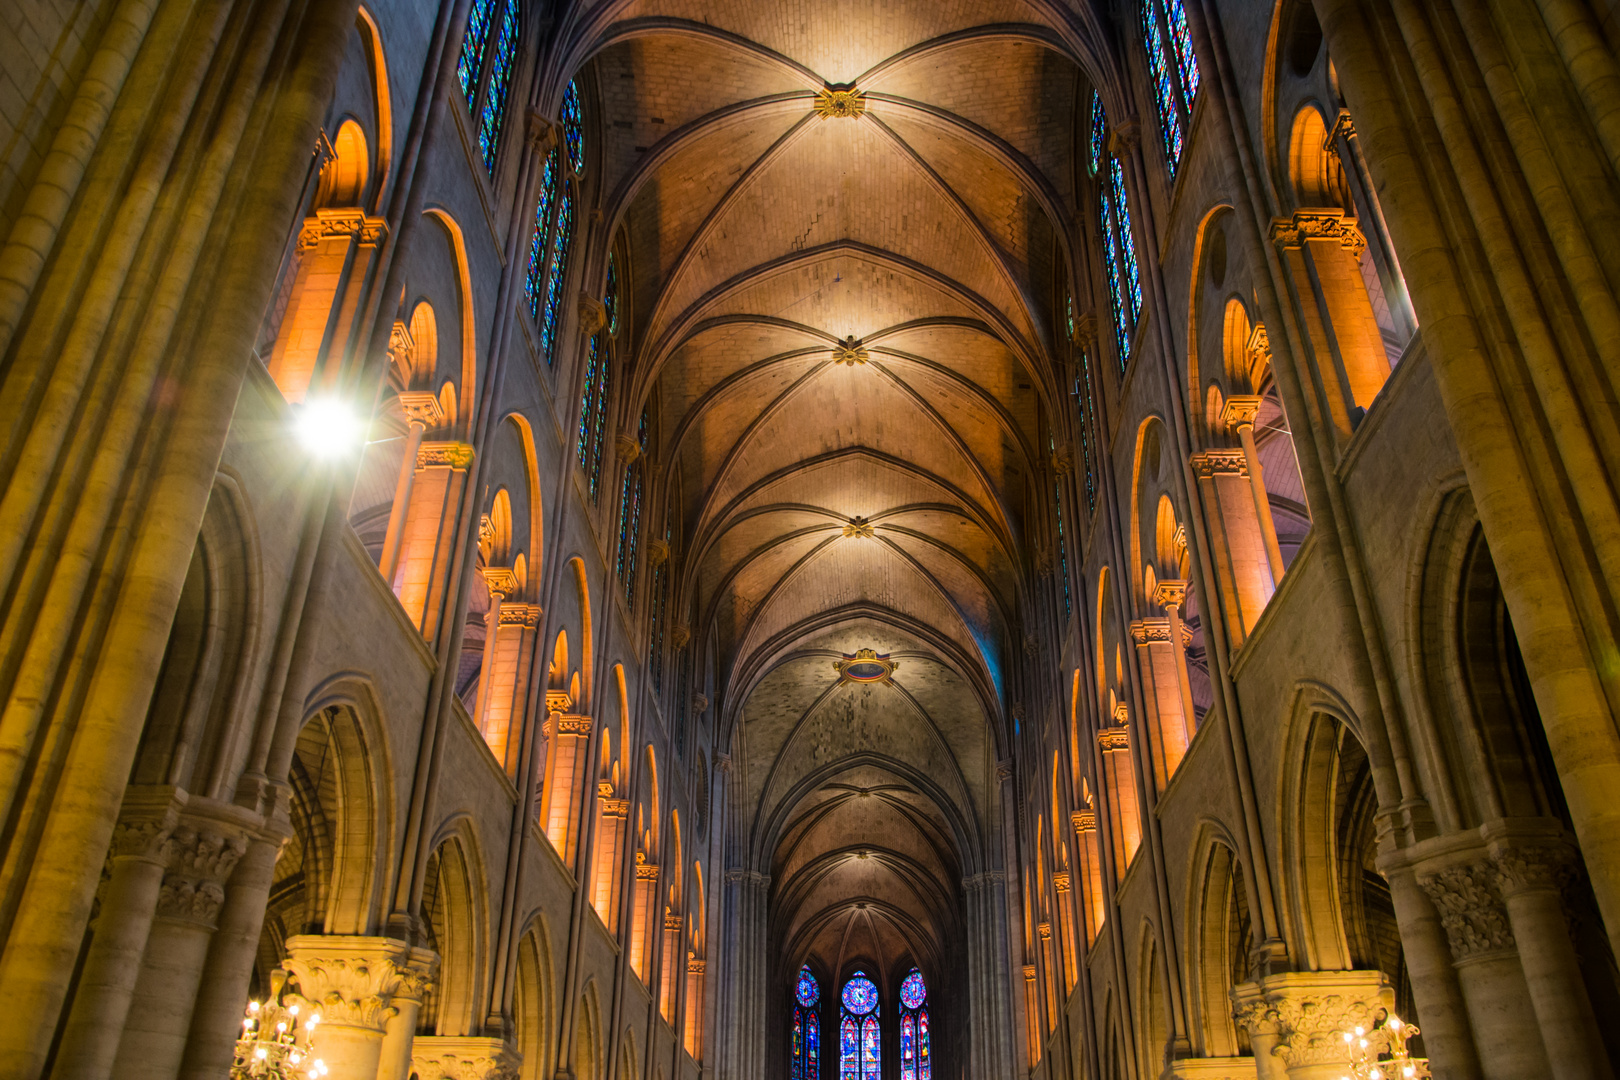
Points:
(1381, 1054)
(274, 1044)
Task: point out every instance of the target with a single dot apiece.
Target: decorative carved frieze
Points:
(1211, 463)
(513, 614)
(1470, 906)
(341, 224)
(694, 966)
(1060, 881)
(444, 455)
(564, 724)
(840, 102)
(1150, 631)
(1317, 224)
(1085, 821)
(1115, 740)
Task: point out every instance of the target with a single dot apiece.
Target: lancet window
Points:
(1114, 223)
(1060, 539)
(554, 227)
(806, 1027)
(1173, 69)
(916, 1060)
(484, 69)
(860, 1043)
(1085, 404)
(630, 516)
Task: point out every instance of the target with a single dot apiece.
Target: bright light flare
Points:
(328, 427)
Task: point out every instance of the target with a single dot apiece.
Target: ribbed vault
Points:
(844, 331)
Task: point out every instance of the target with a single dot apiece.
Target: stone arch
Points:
(377, 58)
(1152, 1005)
(1221, 933)
(194, 734)
(1315, 174)
(588, 1036)
(466, 414)
(347, 172)
(454, 903)
(533, 998)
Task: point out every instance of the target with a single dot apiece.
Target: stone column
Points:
(1531, 878)
(422, 414)
(201, 854)
(1242, 565)
(352, 982)
(429, 535)
(112, 965)
(566, 775)
(1115, 743)
(400, 1034)
(1065, 930)
(1297, 1020)
(1239, 415)
(1493, 984)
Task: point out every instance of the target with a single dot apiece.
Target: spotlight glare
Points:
(327, 427)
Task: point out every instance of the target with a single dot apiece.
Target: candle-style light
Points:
(276, 1044)
(1381, 1054)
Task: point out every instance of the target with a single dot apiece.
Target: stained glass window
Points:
(1164, 88)
(599, 430)
(610, 296)
(1117, 242)
(551, 310)
(1086, 404)
(492, 119)
(860, 1044)
(1173, 68)
(915, 1063)
(806, 1027)
(587, 405)
(1099, 131)
(573, 125)
(630, 517)
(535, 280)
(470, 65)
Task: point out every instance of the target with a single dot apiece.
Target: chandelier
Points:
(273, 1044)
(1381, 1054)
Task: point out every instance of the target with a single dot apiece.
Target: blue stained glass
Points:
(1083, 392)
(807, 992)
(573, 125)
(537, 245)
(493, 120)
(1127, 242)
(1099, 131)
(610, 298)
(849, 1049)
(913, 991)
(587, 407)
(554, 283)
(1175, 14)
(470, 64)
(798, 1044)
(1068, 316)
(630, 531)
(871, 1049)
(1122, 330)
(860, 994)
(812, 1046)
(925, 1064)
(1164, 91)
(908, 1047)
(599, 428)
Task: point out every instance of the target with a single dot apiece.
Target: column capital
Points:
(354, 981)
(540, 133)
(1148, 631)
(1470, 905)
(1317, 224)
(1170, 593)
(466, 1057)
(343, 223)
(1308, 1012)
(501, 581)
(1531, 866)
(1241, 410)
(592, 314)
(200, 856)
(421, 407)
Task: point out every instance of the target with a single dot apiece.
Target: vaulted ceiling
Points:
(847, 329)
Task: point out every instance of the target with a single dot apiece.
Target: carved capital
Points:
(1211, 463)
(540, 135)
(1085, 331)
(1170, 593)
(838, 102)
(354, 981)
(1240, 411)
(592, 314)
(722, 763)
(1004, 771)
(561, 725)
(1470, 906)
(1043, 931)
(558, 701)
(199, 857)
(1150, 631)
(444, 455)
(1313, 224)
(1532, 867)
(700, 704)
(1123, 137)
(421, 407)
(1115, 740)
(145, 824)
(516, 614)
(500, 580)
(1308, 1013)
(658, 552)
(679, 635)
(447, 1057)
(341, 224)
(1062, 461)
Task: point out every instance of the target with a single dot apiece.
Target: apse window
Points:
(860, 1043)
(806, 1027)
(916, 1063)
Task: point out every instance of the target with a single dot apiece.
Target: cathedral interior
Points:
(787, 540)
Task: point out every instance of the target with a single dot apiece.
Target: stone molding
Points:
(1115, 740)
(421, 407)
(1085, 821)
(452, 1057)
(354, 981)
(1470, 905)
(516, 614)
(592, 314)
(1317, 224)
(1148, 631)
(448, 454)
(658, 552)
(340, 224)
(1060, 881)
(564, 724)
(1208, 464)
(679, 635)
(1306, 1013)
